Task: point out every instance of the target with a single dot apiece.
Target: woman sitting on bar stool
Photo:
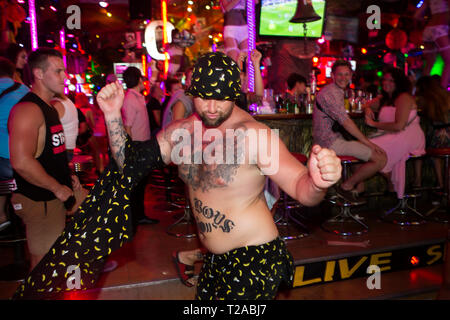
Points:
(399, 132)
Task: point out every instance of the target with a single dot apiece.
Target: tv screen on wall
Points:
(274, 16)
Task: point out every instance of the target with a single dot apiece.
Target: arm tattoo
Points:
(117, 138)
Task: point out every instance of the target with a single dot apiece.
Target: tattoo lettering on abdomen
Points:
(217, 220)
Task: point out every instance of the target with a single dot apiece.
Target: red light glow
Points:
(414, 260)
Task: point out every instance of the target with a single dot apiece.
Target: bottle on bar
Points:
(309, 101)
(346, 101)
(313, 82)
(296, 108)
(359, 101)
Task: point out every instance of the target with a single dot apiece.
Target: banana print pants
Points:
(247, 273)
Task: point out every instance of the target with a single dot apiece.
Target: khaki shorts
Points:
(44, 222)
(351, 148)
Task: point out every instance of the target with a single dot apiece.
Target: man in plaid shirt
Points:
(331, 101)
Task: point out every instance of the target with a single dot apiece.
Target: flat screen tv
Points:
(274, 15)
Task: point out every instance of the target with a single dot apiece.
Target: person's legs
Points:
(418, 173)
(231, 48)
(374, 161)
(44, 222)
(438, 170)
(231, 42)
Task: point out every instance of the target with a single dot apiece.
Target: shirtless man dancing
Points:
(246, 259)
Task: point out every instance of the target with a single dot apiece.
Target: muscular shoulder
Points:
(26, 113)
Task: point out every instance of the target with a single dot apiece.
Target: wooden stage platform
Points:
(328, 266)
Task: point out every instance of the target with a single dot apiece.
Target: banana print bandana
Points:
(216, 76)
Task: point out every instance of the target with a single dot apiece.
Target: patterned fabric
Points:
(438, 134)
(331, 98)
(101, 225)
(213, 78)
(247, 273)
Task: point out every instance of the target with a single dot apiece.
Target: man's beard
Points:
(213, 123)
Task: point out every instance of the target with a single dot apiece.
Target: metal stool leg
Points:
(403, 214)
(441, 213)
(287, 230)
(345, 223)
(187, 220)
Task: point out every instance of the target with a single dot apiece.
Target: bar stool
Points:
(185, 227)
(441, 213)
(18, 270)
(286, 204)
(167, 179)
(346, 223)
(403, 214)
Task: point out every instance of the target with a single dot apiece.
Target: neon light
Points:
(33, 25)
(144, 64)
(62, 44)
(164, 18)
(251, 43)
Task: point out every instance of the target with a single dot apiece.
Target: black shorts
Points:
(247, 273)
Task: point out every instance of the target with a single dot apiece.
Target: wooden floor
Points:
(146, 270)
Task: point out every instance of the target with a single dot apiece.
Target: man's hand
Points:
(369, 117)
(110, 98)
(63, 193)
(255, 57)
(376, 148)
(76, 185)
(324, 167)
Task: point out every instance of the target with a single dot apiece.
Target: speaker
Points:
(140, 9)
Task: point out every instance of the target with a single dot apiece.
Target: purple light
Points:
(251, 43)
(53, 8)
(62, 44)
(33, 25)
